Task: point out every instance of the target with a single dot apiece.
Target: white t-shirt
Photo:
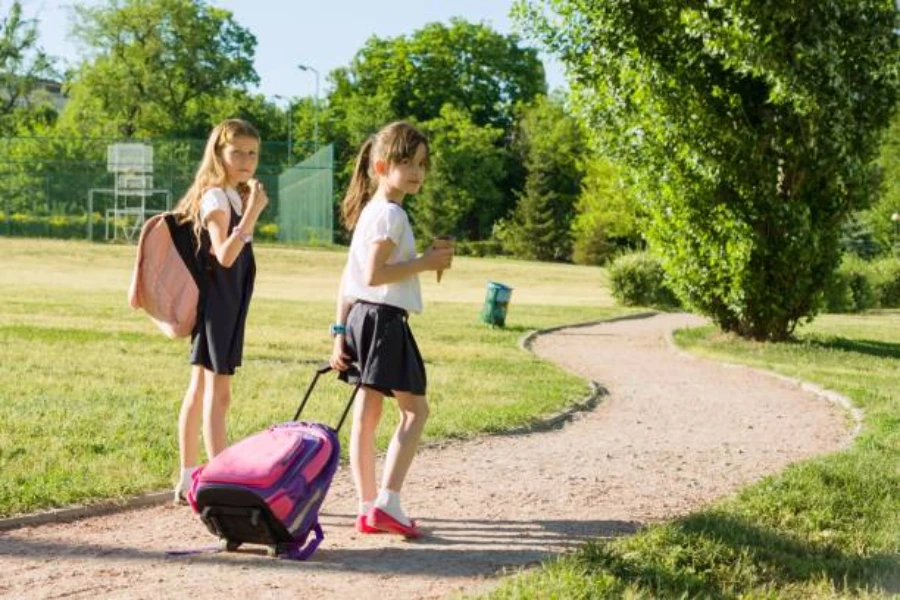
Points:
(219, 199)
(381, 220)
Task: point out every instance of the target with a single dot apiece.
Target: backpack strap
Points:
(186, 244)
(301, 550)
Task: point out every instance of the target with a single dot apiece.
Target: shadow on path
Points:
(469, 548)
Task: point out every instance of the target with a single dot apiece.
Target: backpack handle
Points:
(353, 376)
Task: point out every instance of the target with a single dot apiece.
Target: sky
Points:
(324, 34)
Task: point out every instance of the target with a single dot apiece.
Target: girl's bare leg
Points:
(366, 415)
(216, 400)
(403, 446)
(190, 419)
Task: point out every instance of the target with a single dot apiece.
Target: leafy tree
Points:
(549, 143)
(606, 220)
(462, 190)
(464, 65)
(749, 129)
(22, 65)
(156, 68)
(267, 117)
(878, 219)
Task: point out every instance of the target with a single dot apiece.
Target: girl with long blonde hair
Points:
(223, 204)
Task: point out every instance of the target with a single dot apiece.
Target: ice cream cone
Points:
(443, 241)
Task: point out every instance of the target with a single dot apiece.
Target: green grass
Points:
(89, 394)
(90, 390)
(825, 528)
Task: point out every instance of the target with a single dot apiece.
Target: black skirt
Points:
(380, 342)
(217, 343)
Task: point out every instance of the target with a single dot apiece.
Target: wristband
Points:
(244, 238)
(337, 329)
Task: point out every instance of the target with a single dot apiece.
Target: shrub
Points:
(479, 248)
(638, 279)
(852, 287)
(52, 226)
(887, 282)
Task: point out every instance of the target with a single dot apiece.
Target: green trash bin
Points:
(495, 304)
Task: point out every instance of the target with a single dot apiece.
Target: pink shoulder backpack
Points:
(166, 281)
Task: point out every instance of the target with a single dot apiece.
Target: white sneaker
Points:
(180, 498)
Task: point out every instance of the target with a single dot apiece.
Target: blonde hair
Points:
(211, 172)
(395, 142)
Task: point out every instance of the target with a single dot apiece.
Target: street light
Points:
(290, 113)
(316, 106)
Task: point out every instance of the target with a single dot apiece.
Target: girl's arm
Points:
(378, 272)
(225, 247)
(339, 358)
(228, 247)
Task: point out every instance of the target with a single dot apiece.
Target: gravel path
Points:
(670, 434)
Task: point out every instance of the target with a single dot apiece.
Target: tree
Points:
(467, 65)
(549, 143)
(22, 66)
(462, 190)
(464, 65)
(606, 219)
(156, 68)
(749, 129)
(878, 219)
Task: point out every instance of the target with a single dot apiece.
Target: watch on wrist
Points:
(337, 329)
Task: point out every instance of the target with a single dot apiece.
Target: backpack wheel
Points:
(230, 545)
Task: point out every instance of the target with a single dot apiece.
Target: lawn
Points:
(90, 390)
(89, 394)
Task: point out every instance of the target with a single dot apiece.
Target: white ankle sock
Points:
(365, 507)
(389, 502)
(186, 474)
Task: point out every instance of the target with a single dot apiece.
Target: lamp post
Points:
(316, 105)
(290, 124)
(897, 10)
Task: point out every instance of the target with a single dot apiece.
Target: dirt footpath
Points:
(671, 434)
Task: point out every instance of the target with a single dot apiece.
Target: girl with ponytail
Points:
(379, 289)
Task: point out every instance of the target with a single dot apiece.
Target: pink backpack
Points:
(167, 281)
(268, 488)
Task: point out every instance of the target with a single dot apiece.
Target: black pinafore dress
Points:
(217, 342)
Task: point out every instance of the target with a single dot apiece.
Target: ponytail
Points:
(360, 189)
(394, 143)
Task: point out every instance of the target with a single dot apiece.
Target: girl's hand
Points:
(437, 258)
(339, 360)
(258, 199)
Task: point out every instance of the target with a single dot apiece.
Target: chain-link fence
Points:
(98, 189)
(305, 209)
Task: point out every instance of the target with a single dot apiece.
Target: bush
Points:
(861, 277)
(638, 279)
(267, 232)
(887, 282)
(837, 295)
(52, 226)
(479, 248)
(852, 287)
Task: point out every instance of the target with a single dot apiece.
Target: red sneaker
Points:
(379, 519)
(363, 527)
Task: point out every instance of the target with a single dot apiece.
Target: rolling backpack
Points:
(268, 488)
(167, 279)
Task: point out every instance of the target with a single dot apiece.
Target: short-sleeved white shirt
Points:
(219, 199)
(381, 220)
